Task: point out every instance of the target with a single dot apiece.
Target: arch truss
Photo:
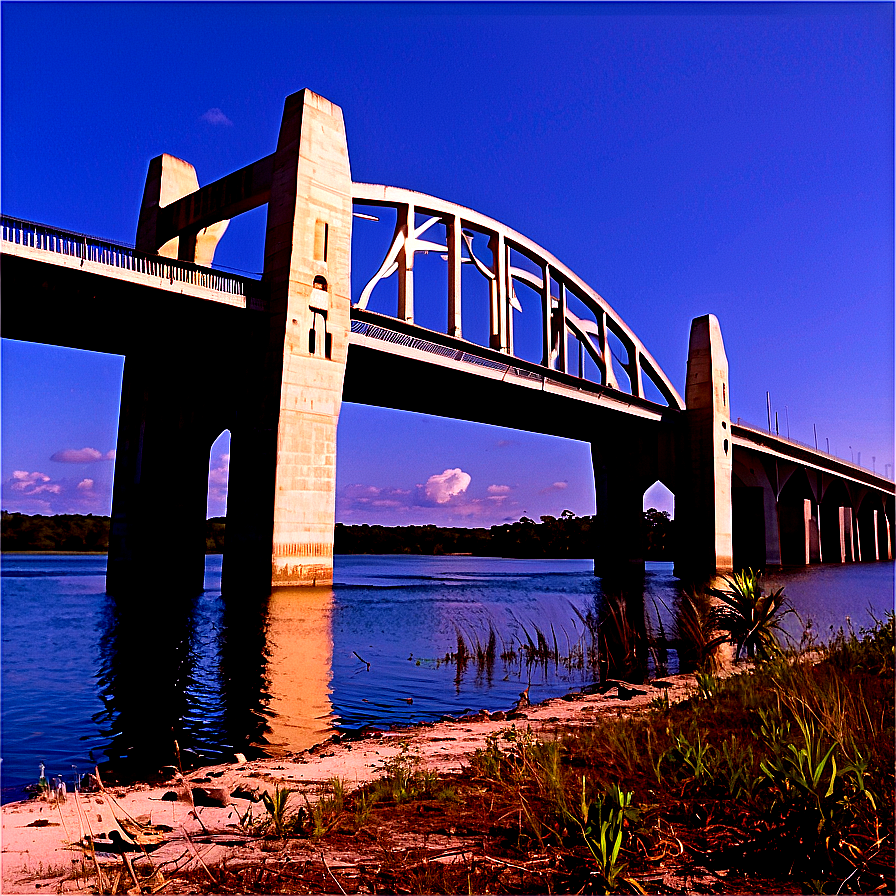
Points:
(548, 277)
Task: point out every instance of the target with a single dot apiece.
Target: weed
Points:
(276, 805)
(404, 779)
(749, 616)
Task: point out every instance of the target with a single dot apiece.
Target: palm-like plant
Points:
(750, 617)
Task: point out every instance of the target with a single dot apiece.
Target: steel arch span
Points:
(557, 321)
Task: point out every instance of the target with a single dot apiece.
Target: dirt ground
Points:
(40, 838)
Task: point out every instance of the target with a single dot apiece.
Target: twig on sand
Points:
(328, 867)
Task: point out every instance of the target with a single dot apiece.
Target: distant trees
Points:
(65, 532)
(565, 536)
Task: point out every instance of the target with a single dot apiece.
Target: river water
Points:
(88, 679)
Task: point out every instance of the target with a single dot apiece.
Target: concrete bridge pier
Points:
(281, 496)
(703, 506)
(619, 484)
(276, 382)
(166, 428)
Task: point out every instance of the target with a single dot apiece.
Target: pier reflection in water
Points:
(198, 680)
(299, 668)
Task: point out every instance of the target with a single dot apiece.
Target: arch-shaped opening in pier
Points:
(218, 476)
(659, 529)
(868, 528)
(836, 524)
(795, 519)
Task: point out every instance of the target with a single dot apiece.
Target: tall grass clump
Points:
(785, 771)
(750, 616)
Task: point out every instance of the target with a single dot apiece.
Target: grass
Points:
(778, 779)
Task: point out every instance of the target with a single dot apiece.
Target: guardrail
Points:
(374, 332)
(118, 255)
(445, 349)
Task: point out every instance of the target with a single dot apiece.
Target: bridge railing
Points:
(118, 255)
(374, 325)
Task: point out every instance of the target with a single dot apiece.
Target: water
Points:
(87, 679)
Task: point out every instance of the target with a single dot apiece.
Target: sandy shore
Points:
(37, 836)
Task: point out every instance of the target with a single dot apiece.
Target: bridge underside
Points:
(632, 446)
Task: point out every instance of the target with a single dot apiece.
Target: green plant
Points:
(324, 814)
(404, 779)
(276, 805)
(601, 824)
(750, 617)
(363, 806)
(736, 769)
(707, 685)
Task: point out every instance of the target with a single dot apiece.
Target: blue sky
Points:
(680, 158)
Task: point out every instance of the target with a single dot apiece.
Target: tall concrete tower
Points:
(703, 498)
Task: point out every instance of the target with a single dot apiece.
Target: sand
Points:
(38, 855)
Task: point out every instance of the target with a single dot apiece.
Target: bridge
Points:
(272, 359)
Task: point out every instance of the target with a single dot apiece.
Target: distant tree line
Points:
(565, 536)
(73, 532)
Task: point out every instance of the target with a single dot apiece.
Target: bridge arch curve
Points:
(558, 321)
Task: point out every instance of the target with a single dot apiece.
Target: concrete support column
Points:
(874, 541)
(281, 501)
(157, 538)
(704, 490)
(167, 180)
(844, 518)
(619, 511)
(813, 540)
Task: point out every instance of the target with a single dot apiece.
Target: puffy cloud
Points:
(216, 116)
(442, 487)
(36, 492)
(555, 487)
(81, 456)
(32, 483)
(498, 489)
(22, 479)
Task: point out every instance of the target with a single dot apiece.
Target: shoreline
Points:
(36, 834)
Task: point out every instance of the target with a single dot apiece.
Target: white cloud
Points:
(32, 483)
(442, 487)
(81, 456)
(36, 492)
(499, 489)
(555, 487)
(22, 479)
(216, 116)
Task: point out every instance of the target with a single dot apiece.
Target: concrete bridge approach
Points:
(272, 360)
